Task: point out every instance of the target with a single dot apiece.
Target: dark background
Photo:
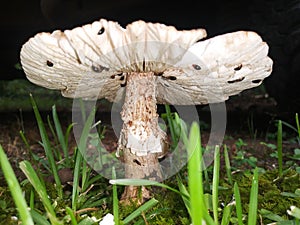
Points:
(277, 21)
(22, 19)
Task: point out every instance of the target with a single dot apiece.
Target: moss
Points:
(173, 205)
(162, 220)
(269, 191)
(7, 207)
(291, 181)
(170, 209)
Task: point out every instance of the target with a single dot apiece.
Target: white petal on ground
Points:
(108, 219)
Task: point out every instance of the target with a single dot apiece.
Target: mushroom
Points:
(149, 63)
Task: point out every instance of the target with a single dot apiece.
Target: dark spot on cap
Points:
(99, 69)
(236, 80)
(144, 65)
(172, 78)
(101, 31)
(256, 81)
(49, 63)
(238, 67)
(137, 162)
(196, 67)
(112, 76)
(95, 69)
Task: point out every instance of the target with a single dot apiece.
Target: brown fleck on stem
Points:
(141, 138)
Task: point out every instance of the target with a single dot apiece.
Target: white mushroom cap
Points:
(92, 61)
(214, 69)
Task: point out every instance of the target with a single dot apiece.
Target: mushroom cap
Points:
(93, 61)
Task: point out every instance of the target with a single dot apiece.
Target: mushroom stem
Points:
(141, 138)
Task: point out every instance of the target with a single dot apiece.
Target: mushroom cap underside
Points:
(93, 61)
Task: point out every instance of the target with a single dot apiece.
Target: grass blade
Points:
(83, 144)
(215, 184)
(72, 216)
(253, 199)
(149, 204)
(84, 175)
(171, 124)
(82, 109)
(76, 178)
(47, 146)
(25, 142)
(31, 175)
(195, 175)
(184, 191)
(92, 203)
(115, 199)
(207, 218)
(227, 165)
(298, 125)
(31, 155)
(31, 199)
(15, 188)
(55, 150)
(238, 204)
(279, 147)
(226, 215)
(270, 215)
(60, 135)
(67, 134)
(38, 218)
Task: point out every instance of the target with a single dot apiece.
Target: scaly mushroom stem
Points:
(141, 138)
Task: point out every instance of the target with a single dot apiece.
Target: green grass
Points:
(40, 189)
(252, 215)
(15, 189)
(215, 183)
(238, 204)
(115, 199)
(195, 175)
(211, 195)
(227, 165)
(47, 146)
(279, 147)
